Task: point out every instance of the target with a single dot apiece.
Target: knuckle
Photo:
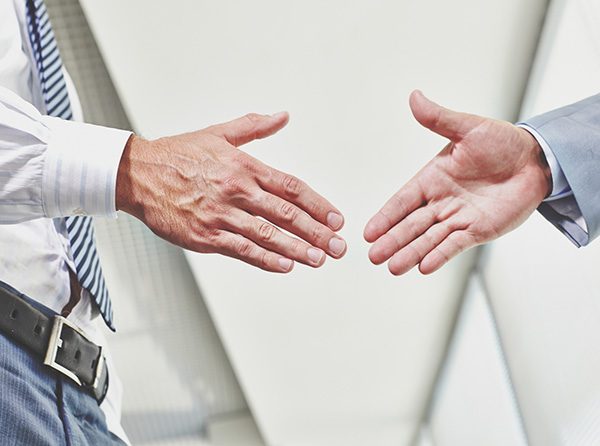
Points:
(208, 221)
(288, 212)
(246, 162)
(256, 196)
(211, 211)
(252, 117)
(204, 240)
(212, 236)
(292, 185)
(315, 207)
(215, 221)
(244, 248)
(209, 206)
(219, 219)
(297, 247)
(264, 260)
(212, 241)
(317, 235)
(233, 185)
(266, 232)
(200, 230)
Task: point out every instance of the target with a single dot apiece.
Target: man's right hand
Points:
(198, 191)
(487, 181)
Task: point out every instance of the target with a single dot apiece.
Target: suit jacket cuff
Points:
(572, 133)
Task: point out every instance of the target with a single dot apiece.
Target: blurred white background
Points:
(347, 355)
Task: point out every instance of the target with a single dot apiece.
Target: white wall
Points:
(344, 355)
(474, 403)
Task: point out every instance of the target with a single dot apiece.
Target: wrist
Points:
(126, 195)
(546, 171)
(540, 169)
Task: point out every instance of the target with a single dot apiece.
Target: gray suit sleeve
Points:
(573, 135)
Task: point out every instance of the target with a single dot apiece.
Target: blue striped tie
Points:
(56, 98)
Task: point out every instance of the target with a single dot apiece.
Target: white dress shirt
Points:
(49, 168)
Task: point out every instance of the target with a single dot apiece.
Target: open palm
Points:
(488, 179)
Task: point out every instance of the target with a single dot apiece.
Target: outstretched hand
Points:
(489, 178)
(198, 191)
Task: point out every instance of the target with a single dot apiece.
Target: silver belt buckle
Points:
(55, 343)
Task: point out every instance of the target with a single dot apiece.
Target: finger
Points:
(447, 123)
(288, 216)
(450, 247)
(412, 254)
(239, 247)
(269, 237)
(298, 192)
(402, 203)
(252, 126)
(402, 234)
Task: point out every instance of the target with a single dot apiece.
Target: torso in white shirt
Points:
(35, 255)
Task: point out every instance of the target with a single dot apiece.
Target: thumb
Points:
(252, 126)
(447, 123)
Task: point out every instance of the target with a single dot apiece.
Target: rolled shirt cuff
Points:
(80, 169)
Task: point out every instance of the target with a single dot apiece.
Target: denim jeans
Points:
(40, 407)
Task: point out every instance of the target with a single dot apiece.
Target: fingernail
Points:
(337, 246)
(315, 255)
(286, 264)
(335, 221)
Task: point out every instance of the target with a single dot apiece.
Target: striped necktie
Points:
(56, 98)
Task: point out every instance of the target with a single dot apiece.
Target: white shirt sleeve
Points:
(50, 167)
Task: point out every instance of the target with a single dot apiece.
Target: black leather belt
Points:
(56, 341)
